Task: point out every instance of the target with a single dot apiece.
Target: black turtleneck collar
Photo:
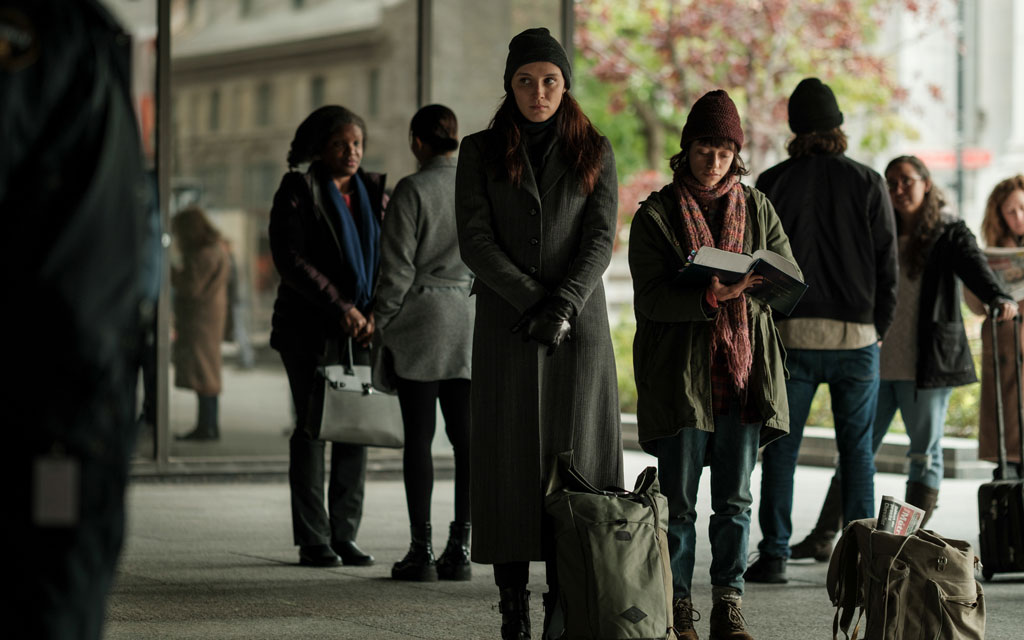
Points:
(539, 138)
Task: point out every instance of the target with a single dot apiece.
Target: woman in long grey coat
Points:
(536, 206)
(425, 319)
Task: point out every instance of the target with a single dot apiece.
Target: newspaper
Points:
(1008, 265)
(898, 517)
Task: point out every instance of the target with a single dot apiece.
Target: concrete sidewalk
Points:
(215, 560)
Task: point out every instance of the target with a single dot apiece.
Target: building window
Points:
(264, 100)
(373, 108)
(316, 91)
(298, 4)
(260, 181)
(245, 7)
(214, 121)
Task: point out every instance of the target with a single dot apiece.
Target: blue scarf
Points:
(360, 245)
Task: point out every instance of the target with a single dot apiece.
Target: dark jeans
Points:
(731, 452)
(419, 416)
(311, 523)
(852, 377)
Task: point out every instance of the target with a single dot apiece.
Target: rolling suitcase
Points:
(1001, 502)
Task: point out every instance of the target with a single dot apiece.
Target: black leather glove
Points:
(547, 322)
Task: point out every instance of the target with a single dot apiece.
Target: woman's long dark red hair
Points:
(580, 141)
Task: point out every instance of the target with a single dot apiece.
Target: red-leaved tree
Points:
(658, 56)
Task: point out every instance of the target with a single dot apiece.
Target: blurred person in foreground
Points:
(840, 224)
(74, 196)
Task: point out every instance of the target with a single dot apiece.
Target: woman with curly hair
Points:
(325, 241)
(1002, 226)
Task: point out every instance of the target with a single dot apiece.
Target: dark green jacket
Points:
(671, 351)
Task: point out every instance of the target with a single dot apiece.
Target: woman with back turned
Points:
(425, 319)
(536, 206)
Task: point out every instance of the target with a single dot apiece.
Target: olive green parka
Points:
(671, 351)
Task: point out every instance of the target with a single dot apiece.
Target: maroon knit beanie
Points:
(714, 115)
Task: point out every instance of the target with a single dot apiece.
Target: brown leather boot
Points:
(923, 497)
(818, 543)
(727, 621)
(683, 617)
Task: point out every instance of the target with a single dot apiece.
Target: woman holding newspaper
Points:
(1003, 231)
(707, 360)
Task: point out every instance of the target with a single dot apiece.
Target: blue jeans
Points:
(924, 415)
(852, 377)
(732, 453)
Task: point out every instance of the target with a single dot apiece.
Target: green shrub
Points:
(961, 419)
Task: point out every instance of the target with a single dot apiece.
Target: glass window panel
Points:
(139, 20)
(269, 69)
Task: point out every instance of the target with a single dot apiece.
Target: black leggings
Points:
(517, 574)
(419, 414)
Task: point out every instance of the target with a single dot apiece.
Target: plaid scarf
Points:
(730, 332)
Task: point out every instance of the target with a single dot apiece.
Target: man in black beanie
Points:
(841, 226)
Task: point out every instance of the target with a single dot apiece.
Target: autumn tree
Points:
(653, 58)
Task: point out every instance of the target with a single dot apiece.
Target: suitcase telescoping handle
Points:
(998, 384)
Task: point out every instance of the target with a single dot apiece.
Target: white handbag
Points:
(347, 408)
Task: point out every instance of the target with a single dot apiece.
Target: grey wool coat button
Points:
(534, 241)
(533, 212)
(533, 269)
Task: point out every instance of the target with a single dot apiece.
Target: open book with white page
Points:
(782, 287)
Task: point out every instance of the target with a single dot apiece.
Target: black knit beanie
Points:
(813, 107)
(714, 115)
(535, 45)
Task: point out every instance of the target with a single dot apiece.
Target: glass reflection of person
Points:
(536, 208)
(324, 238)
(200, 288)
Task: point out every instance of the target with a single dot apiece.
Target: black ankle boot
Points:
(418, 564)
(515, 613)
(207, 426)
(454, 562)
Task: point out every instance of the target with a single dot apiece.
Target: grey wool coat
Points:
(523, 243)
(423, 309)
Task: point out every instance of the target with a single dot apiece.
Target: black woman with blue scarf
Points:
(325, 241)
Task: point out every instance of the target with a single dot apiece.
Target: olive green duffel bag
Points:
(615, 581)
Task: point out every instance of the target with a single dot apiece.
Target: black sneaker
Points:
(767, 569)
